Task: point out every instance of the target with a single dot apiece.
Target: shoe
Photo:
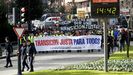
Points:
(31, 71)
(22, 70)
(27, 69)
(11, 66)
(6, 66)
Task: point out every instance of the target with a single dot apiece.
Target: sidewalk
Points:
(4, 54)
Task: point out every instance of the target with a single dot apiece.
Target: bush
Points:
(113, 65)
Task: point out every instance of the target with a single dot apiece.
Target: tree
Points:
(61, 9)
(74, 10)
(51, 2)
(122, 20)
(36, 7)
(68, 8)
(71, 7)
(4, 26)
(74, 7)
(2, 12)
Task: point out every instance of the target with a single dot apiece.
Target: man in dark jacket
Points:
(31, 53)
(122, 40)
(24, 56)
(110, 44)
(9, 50)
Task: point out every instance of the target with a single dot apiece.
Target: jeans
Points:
(25, 63)
(122, 46)
(31, 58)
(8, 59)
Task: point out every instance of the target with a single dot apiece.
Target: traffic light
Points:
(23, 15)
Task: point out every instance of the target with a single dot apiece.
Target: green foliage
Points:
(36, 8)
(5, 28)
(117, 65)
(3, 10)
(3, 18)
(114, 65)
(118, 62)
(62, 9)
(122, 55)
(74, 10)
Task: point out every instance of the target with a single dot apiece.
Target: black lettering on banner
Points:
(79, 25)
(93, 40)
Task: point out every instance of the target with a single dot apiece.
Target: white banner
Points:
(50, 43)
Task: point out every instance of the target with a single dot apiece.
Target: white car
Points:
(53, 19)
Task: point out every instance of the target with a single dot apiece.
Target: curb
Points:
(61, 51)
(2, 57)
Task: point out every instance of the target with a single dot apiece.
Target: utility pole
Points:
(129, 25)
(19, 59)
(29, 17)
(105, 26)
(131, 14)
(13, 11)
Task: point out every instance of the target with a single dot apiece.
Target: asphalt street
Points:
(52, 61)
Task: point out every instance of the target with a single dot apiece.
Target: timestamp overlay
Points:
(105, 8)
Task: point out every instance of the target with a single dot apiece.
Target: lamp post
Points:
(128, 39)
(129, 25)
(131, 14)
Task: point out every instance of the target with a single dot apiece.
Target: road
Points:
(52, 61)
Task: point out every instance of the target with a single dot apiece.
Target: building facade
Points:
(125, 9)
(83, 8)
(125, 6)
(56, 2)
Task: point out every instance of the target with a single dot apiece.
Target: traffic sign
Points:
(18, 31)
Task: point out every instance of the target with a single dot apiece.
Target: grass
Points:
(78, 72)
(122, 55)
(117, 56)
